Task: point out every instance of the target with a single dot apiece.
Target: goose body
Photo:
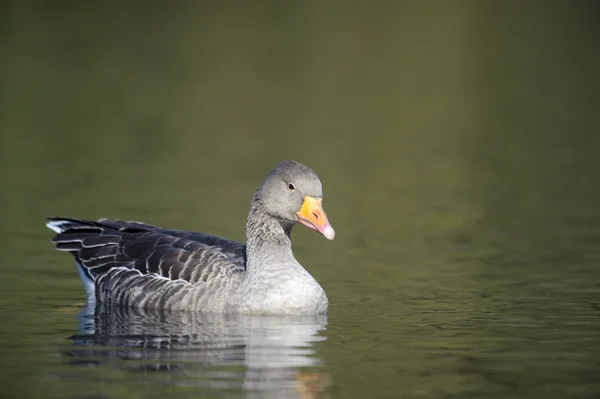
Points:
(140, 265)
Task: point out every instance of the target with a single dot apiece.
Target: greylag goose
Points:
(140, 265)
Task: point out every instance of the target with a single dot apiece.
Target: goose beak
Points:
(311, 215)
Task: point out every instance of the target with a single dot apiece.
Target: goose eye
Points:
(291, 187)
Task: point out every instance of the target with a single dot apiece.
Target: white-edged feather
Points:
(57, 225)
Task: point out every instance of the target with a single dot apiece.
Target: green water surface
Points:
(458, 146)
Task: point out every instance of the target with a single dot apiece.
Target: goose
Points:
(135, 264)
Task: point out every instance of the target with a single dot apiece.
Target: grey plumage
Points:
(140, 265)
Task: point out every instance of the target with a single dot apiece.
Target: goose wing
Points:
(101, 246)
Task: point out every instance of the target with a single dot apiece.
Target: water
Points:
(457, 146)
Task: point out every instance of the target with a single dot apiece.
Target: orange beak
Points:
(311, 215)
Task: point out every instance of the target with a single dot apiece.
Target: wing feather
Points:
(145, 250)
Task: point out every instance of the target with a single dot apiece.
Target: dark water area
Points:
(458, 148)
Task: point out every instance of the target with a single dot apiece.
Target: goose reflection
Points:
(265, 356)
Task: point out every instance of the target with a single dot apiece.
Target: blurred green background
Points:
(457, 142)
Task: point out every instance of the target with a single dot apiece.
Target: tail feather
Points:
(60, 224)
(57, 224)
